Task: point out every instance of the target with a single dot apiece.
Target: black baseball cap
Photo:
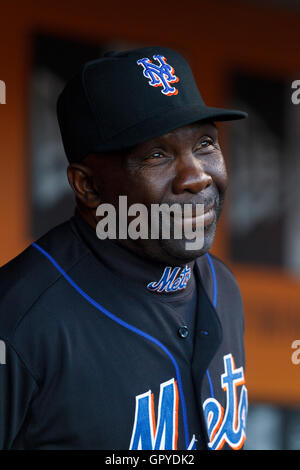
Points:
(126, 98)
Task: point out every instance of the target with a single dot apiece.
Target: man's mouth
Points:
(206, 219)
(197, 218)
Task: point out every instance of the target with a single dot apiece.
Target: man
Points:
(127, 343)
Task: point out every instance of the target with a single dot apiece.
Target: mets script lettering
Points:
(223, 427)
(169, 282)
(228, 427)
(148, 434)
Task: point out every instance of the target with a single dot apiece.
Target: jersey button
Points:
(183, 332)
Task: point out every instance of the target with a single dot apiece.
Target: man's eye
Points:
(155, 158)
(155, 155)
(206, 142)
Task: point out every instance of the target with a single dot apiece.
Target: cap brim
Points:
(222, 114)
(168, 121)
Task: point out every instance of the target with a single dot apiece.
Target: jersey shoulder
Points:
(225, 274)
(25, 278)
(229, 297)
(220, 283)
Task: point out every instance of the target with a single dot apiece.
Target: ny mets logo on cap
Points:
(161, 74)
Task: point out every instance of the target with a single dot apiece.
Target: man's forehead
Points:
(196, 129)
(195, 126)
(189, 129)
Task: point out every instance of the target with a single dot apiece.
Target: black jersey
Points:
(105, 350)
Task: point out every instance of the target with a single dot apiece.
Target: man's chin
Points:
(178, 254)
(172, 251)
(185, 251)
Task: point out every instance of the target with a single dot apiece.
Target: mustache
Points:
(208, 202)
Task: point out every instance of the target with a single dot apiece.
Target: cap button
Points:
(183, 331)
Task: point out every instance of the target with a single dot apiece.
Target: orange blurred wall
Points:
(217, 37)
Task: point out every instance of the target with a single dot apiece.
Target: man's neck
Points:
(153, 276)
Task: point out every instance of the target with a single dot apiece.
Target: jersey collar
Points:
(154, 277)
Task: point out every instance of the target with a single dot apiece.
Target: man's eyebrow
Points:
(205, 130)
(212, 123)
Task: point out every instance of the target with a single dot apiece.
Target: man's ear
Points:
(81, 181)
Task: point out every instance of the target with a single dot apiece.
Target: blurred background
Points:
(244, 54)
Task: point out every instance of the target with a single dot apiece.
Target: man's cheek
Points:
(220, 177)
(146, 192)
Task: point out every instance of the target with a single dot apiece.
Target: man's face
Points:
(185, 166)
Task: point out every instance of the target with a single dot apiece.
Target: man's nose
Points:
(190, 176)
